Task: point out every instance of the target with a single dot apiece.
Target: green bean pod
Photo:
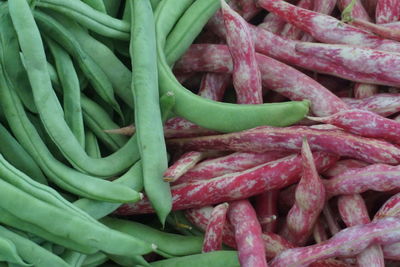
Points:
(91, 145)
(73, 258)
(96, 4)
(222, 117)
(90, 18)
(94, 260)
(148, 121)
(9, 253)
(71, 90)
(112, 7)
(210, 259)
(31, 252)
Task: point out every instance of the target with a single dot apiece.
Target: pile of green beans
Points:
(71, 69)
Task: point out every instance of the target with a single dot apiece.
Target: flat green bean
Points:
(90, 18)
(51, 112)
(148, 121)
(71, 90)
(222, 117)
(31, 252)
(210, 259)
(19, 157)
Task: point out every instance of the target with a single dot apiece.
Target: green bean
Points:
(64, 224)
(90, 18)
(210, 259)
(50, 112)
(94, 260)
(118, 74)
(126, 261)
(223, 117)
(188, 27)
(97, 209)
(63, 176)
(148, 119)
(96, 4)
(91, 145)
(18, 157)
(112, 7)
(154, 4)
(7, 39)
(31, 252)
(73, 258)
(92, 71)
(9, 253)
(172, 244)
(71, 90)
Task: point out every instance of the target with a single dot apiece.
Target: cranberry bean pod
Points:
(381, 104)
(309, 200)
(273, 175)
(213, 85)
(363, 90)
(215, 226)
(358, 10)
(379, 29)
(342, 166)
(319, 232)
(289, 30)
(272, 23)
(247, 8)
(246, 74)
(387, 11)
(247, 234)
(378, 177)
(182, 165)
(235, 162)
(353, 211)
(267, 210)
(331, 219)
(348, 242)
(266, 138)
(275, 75)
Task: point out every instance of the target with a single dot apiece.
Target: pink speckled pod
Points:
(390, 208)
(378, 177)
(364, 123)
(272, 23)
(319, 231)
(235, 162)
(248, 234)
(353, 211)
(246, 75)
(380, 67)
(266, 138)
(215, 227)
(182, 165)
(348, 242)
(179, 127)
(381, 104)
(275, 75)
(363, 90)
(358, 10)
(378, 29)
(344, 165)
(387, 11)
(289, 30)
(240, 185)
(213, 85)
(267, 210)
(309, 201)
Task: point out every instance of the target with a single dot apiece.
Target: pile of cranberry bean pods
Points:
(208, 133)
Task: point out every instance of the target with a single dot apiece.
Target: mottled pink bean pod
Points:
(364, 123)
(248, 234)
(378, 29)
(246, 74)
(327, 29)
(215, 227)
(381, 66)
(331, 219)
(378, 177)
(390, 208)
(387, 11)
(363, 90)
(319, 231)
(381, 104)
(342, 166)
(235, 162)
(348, 242)
(309, 200)
(182, 165)
(358, 10)
(272, 23)
(353, 211)
(275, 75)
(179, 127)
(266, 207)
(273, 175)
(267, 138)
(289, 30)
(246, 8)
(213, 85)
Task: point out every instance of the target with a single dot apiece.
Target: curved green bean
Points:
(90, 18)
(222, 117)
(71, 90)
(73, 258)
(91, 145)
(94, 260)
(210, 259)
(51, 112)
(18, 157)
(148, 121)
(96, 4)
(31, 252)
(112, 7)
(9, 253)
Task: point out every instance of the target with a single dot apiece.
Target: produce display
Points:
(210, 133)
